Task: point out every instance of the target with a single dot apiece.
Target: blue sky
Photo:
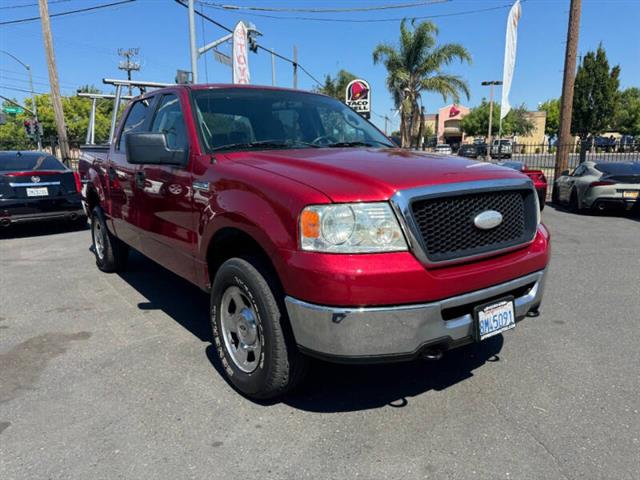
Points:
(86, 44)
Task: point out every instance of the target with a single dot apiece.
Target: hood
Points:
(357, 174)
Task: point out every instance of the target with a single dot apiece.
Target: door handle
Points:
(140, 178)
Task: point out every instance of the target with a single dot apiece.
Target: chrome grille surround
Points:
(403, 200)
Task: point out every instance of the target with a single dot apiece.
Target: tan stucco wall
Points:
(536, 137)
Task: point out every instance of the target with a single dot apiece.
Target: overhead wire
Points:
(70, 12)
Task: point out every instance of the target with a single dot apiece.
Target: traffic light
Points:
(33, 128)
(27, 127)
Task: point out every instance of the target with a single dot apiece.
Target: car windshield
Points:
(247, 118)
(22, 162)
(619, 168)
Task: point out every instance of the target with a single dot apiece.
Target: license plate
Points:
(494, 318)
(630, 194)
(37, 192)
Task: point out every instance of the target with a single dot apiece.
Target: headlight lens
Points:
(351, 228)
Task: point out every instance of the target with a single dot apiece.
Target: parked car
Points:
(36, 186)
(312, 234)
(473, 150)
(443, 148)
(501, 148)
(537, 177)
(597, 186)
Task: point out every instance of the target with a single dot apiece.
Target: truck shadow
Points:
(38, 229)
(167, 292)
(334, 388)
(328, 387)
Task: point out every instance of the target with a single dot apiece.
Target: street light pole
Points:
(491, 83)
(33, 96)
(192, 42)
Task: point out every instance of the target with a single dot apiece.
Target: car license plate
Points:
(630, 194)
(37, 192)
(494, 318)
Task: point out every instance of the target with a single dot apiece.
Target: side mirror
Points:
(565, 172)
(151, 148)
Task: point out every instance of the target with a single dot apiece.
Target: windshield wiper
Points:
(263, 144)
(355, 144)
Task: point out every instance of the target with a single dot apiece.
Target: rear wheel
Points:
(249, 331)
(111, 254)
(574, 204)
(555, 197)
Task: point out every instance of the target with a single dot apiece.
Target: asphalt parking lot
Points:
(108, 376)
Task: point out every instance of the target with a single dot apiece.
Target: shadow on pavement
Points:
(167, 292)
(38, 229)
(328, 387)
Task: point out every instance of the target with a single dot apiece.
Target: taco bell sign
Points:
(240, 54)
(358, 97)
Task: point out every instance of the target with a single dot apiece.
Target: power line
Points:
(51, 2)
(378, 20)
(222, 6)
(24, 90)
(282, 57)
(70, 12)
(24, 80)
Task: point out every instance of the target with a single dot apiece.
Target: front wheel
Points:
(258, 356)
(555, 196)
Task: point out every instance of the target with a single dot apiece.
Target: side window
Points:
(578, 171)
(135, 120)
(169, 120)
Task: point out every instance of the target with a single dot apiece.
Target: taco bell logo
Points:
(358, 97)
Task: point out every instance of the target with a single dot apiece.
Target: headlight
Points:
(351, 228)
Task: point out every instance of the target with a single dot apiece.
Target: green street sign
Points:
(13, 110)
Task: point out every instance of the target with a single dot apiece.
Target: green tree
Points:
(595, 95)
(416, 65)
(336, 87)
(476, 123)
(627, 117)
(552, 108)
(12, 133)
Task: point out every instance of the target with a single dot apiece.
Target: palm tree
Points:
(415, 66)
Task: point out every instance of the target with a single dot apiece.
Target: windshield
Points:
(241, 119)
(22, 162)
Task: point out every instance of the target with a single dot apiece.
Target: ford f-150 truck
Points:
(314, 234)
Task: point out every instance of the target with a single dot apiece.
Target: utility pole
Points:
(295, 67)
(273, 69)
(53, 81)
(128, 65)
(491, 83)
(566, 104)
(33, 96)
(192, 42)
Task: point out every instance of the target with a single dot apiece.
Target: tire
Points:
(244, 297)
(111, 254)
(555, 198)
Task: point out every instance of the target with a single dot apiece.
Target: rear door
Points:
(164, 195)
(121, 175)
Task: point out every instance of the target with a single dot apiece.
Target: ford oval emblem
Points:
(487, 220)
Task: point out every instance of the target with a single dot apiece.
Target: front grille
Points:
(447, 230)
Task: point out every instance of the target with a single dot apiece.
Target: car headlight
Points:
(351, 228)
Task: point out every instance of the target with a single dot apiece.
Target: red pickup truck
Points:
(313, 233)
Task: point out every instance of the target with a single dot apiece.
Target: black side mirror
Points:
(565, 172)
(151, 148)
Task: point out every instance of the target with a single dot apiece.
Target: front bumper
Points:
(401, 332)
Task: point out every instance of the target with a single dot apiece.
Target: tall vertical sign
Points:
(510, 56)
(240, 57)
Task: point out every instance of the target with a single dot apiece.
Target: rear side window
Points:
(169, 120)
(135, 121)
(29, 162)
(619, 168)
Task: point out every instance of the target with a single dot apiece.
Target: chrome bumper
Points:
(401, 331)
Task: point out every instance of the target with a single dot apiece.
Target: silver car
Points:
(595, 186)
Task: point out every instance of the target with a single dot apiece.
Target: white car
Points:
(501, 148)
(444, 148)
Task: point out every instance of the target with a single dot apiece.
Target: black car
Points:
(37, 186)
(473, 150)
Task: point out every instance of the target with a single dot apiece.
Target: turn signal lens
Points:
(310, 224)
(76, 177)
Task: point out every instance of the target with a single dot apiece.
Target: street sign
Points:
(13, 110)
(358, 97)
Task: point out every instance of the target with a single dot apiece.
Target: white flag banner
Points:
(509, 56)
(240, 57)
